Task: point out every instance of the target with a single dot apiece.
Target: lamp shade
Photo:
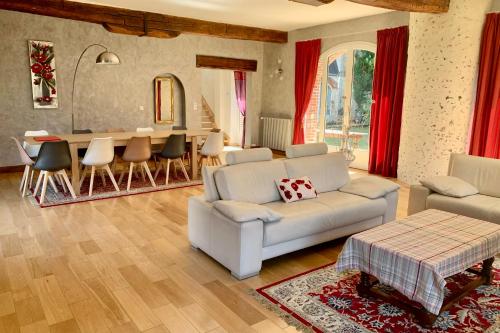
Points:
(107, 58)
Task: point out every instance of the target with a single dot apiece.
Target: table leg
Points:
(486, 270)
(75, 169)
(194, 157)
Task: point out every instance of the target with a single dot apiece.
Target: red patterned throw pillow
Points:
(296, 189)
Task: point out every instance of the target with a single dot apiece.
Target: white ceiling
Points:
(271, 14)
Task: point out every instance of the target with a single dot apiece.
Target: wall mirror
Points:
(164, 100)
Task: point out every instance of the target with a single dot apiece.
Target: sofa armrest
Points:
(417, 201)
(236, 245)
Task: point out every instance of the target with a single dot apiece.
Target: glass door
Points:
(346, 98)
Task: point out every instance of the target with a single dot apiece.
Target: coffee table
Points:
(415, 255)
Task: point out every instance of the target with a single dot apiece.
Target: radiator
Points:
(276, 133)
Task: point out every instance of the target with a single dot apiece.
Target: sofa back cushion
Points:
(481, 172)
(327, 172)
(250, 182)
(308, 149)
(249, 155)
(211, 192)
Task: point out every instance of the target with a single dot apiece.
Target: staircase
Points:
(208, 119)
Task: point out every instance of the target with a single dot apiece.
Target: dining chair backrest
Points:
(25, 158)
(214, 144)
(138, 149)
(32, 150)
(53, 156)
(175, 146)
(145, 129)
(100, 152)
(82, 131)
(115, 130)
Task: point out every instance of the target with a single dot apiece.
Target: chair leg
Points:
(183, 168)
(103, 178)
(68, 183)
(167, 171)
(53, 183)
(46, 176)
(218, 160)
(63, 183)
(25, 185)
(92, 174)
(131, 170)
(31, 178)
(84, 174)
(38, 182)
(158, 169)
(110, 174)
(148, 172)
(120, 179)
(142, 171)
(25, 178)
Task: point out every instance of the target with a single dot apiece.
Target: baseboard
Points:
(12, 168)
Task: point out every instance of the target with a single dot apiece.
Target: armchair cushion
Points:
(240, 211)
(370, 187)
(450, 186)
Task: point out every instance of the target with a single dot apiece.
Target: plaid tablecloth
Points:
(415, 255)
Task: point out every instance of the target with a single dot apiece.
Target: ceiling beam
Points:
(422, 6)
(138, 23)
(204, 61)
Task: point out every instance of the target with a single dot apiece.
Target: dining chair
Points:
(53, 158)
(28, 168)
(212, 148)
(100, 153)
(173, 151)
(137, 152)
(32, 150)
(155, 149)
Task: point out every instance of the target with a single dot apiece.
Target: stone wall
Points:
(443, 55)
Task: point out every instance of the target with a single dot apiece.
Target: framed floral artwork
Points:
(43, 74)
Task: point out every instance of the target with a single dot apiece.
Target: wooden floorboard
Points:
(126, 265)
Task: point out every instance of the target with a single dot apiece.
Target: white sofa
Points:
(483, 173)
(250, 177)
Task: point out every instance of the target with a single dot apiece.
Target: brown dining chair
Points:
(137, 153)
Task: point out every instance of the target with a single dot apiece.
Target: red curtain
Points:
(306, 67)
(485, 139)
(240, 84)
(387, 108)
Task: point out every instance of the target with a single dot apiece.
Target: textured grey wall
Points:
(107, 96)
(279, 95)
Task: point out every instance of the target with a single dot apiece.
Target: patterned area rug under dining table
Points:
(323, 300)
(106, 191)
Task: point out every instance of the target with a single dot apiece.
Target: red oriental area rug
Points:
(323, 300)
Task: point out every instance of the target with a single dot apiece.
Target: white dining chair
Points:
(33, 150)
(212, 148)
(145, 129)
(99, 155)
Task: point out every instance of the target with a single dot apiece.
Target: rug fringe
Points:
(287, 318)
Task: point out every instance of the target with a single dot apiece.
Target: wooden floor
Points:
(125, 265)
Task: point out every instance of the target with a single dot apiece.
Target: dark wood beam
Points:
(423, 6)
(138, 23)
(226, 63)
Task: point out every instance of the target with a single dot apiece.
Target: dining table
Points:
(120, 139)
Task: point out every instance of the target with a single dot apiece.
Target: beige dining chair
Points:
(211, 149)
(137, 153)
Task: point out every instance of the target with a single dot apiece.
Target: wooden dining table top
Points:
(119, 136)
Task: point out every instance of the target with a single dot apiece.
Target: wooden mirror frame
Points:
(159, 117)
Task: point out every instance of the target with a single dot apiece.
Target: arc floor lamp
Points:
(104, 58)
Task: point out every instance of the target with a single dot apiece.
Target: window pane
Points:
(361, 99)
(334, 114)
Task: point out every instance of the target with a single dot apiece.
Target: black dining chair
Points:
(53, 158)
(173, 151)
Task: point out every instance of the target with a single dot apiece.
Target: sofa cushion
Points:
(292, 189)
(250, 182)
(450, 186)
(482, 172)
(477, 206)
(308, 149)
(328, 211)
(370, 187)
(239, 211)
(327, 172)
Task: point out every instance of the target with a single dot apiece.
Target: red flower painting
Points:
(43, 74)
